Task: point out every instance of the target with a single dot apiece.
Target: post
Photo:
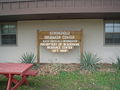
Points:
(38, 47)
(81, 43)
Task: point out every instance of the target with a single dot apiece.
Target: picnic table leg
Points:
(13, 80)
(9, 82)
(24, 80)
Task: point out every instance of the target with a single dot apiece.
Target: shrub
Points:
(118, 62)
(28, 58)
(89, 61)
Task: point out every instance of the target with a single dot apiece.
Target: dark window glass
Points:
(8, 34)
(112, 32)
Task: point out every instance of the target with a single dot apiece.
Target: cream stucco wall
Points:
(93, 41)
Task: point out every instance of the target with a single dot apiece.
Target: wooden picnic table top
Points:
(14, 68)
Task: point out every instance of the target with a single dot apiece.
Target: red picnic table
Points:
(11, 69)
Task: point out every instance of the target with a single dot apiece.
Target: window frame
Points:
(110, 44)
(15, 23)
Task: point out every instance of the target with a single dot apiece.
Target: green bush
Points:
(118, 62)
(89, 61)
(28, 58)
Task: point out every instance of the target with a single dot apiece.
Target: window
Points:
(8, 33)
(112, 32)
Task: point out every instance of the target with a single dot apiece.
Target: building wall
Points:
(93, 41)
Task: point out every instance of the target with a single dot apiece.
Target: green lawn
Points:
(71, 81)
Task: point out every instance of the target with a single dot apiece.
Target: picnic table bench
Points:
(11, 69)
(31, 73)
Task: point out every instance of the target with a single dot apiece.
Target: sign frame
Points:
(39, 39)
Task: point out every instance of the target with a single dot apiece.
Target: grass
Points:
(71, 81)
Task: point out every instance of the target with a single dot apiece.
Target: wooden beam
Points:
(81, 43)
(38, 47)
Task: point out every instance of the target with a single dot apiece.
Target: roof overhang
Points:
(60, 16)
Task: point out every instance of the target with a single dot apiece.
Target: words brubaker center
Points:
(60, 41)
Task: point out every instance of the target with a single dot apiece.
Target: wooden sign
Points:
(59, 41)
